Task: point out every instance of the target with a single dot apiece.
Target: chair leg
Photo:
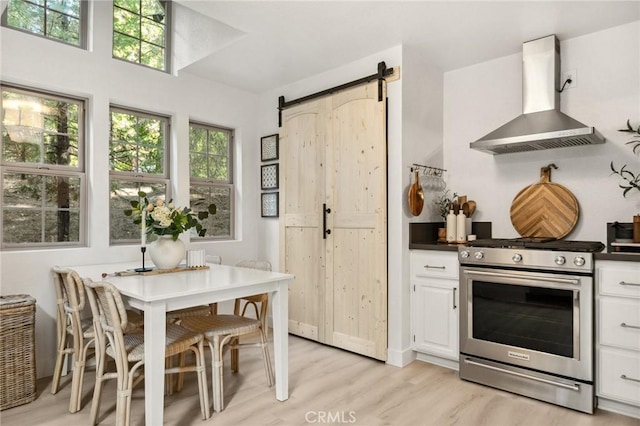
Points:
(203, 391)
(97, 389)
(121, 407)
(75, 403)
(267, 359)
(168, 378)
(235, 359)
(76, 383)
(57, 370)
(216, 371)
(182, 359)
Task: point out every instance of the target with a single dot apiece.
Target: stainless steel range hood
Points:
(542, 125)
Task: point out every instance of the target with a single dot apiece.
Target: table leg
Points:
(155, 330)
(280, 304)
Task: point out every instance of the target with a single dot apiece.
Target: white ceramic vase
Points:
(166, 253)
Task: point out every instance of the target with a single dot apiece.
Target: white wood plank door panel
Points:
(303, 182)
(356, 250)
(333, 153)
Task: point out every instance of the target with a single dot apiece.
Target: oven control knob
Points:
(579, 261)
(464, 254)
(560, 260)
(478, 255)
(517, 257)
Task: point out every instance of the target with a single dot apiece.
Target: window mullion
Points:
(43, 203)
(140, 32)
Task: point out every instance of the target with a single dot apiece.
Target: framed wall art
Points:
(269, 176)
(269, 147)
(269, 204)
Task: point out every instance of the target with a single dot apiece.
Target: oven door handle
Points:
(573, 281)
(575, 387)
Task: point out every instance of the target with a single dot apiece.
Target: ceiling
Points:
(281, 42)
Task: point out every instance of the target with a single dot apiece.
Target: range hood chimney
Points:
(542, 125)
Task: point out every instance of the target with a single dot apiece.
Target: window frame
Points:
(84, 24)
(44, 169)
(168, 29)
(217, 183)
(137, 177)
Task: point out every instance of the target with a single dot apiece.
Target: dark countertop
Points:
(434, 246)
(424, 235)
(620, 257)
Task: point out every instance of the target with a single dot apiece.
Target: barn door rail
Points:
(382, 73)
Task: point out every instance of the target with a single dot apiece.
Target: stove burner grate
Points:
(541, 243)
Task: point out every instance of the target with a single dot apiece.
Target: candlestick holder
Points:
(143, 249)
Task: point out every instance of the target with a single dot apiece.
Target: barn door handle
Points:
(325, 231)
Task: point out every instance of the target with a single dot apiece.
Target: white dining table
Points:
(160, 293)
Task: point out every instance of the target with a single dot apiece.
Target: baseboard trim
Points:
(400, 358)
(442, 362)
(618, 407)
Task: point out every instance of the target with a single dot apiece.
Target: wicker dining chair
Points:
(194, 311)
(127, 350)
(262, 299)
(241, 305)
(75, 335)
(219, 331)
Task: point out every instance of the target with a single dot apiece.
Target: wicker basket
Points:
(17, 350)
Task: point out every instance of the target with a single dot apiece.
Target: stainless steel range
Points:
(526, 318)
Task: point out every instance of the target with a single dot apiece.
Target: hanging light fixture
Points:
(24, 120)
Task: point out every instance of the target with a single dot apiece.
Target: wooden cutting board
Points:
(416, 197)
(544, 209)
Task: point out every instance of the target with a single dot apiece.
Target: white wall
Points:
(94, 75)
(422, 134)
(482, 97)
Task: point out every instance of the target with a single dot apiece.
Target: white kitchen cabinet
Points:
(434, 306)
(618, 336)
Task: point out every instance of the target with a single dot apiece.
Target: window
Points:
(140, 32)
(42, 169)
(61, 20)
(138, 162)
(211, 164)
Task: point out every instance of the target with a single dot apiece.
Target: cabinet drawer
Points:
(620, 280)
(436, 264)
(619, 322)
(613, 364)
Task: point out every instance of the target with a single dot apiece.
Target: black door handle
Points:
(325, 231)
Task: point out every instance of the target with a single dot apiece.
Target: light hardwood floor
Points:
(327, 386)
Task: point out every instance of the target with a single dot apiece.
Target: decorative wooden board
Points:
(154, 271)
(416, 197)
(544, 209)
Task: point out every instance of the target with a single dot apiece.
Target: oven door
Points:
(536, 320)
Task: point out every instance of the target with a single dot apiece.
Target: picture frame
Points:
(269, 176)
(269, 147)
(269, 203)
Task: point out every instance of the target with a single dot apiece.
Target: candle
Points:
(143, 232)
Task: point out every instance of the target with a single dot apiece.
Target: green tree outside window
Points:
(60, 20)
(140, 29)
